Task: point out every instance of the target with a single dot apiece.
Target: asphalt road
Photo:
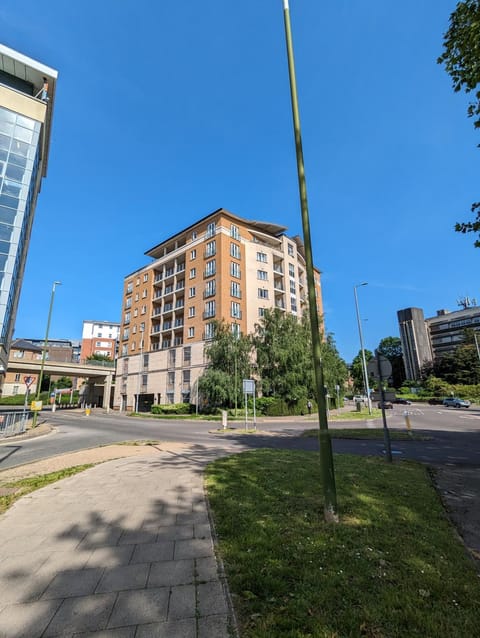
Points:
(455, 435)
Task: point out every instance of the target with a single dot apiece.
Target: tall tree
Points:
(356, 370)
(461, 57)
(391, 347)
(284, 356)
(229, 356)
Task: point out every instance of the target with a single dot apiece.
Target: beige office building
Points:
(222, 267)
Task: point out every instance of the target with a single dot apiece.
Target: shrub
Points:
(174, 408)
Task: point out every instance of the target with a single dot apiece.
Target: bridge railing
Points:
(12, 423)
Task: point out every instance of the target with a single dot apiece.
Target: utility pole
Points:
(326, 455)
(44, 350)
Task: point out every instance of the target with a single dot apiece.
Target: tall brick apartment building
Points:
(222, 267)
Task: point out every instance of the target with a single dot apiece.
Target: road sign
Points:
(28, 381)
(385, 367)
(249, 386)
(36, 405)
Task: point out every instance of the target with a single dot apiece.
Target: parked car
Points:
(455, 402)
(435, 401)
(359, 398)
(402, 401)
(388, 405)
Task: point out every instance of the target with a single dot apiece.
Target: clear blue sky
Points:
(166, 111)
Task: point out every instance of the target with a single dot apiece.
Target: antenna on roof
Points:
(466, 302)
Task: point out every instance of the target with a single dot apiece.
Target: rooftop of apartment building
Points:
(29, 77)
(179, 239)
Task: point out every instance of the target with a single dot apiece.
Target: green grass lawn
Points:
(369, 433)
(353, 415)
(392, 567)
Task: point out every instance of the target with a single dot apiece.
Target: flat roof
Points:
(29, 70)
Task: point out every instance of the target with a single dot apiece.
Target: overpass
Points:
(100, 371)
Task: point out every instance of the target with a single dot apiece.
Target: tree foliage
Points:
(356, 370)
(461, 57)
(391, 347)
(284, 357)
(229, 362)
(99, 357)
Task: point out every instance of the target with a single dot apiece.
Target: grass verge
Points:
(391, 568)
(353, 415)
(19, 488)
(369, 433)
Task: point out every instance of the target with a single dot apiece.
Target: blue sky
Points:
(167, 111)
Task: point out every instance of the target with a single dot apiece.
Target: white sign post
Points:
(249, 388)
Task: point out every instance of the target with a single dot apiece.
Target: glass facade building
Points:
(27, 90)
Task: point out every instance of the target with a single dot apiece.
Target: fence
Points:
(12, 423)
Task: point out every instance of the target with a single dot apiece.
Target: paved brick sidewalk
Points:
(121, 550)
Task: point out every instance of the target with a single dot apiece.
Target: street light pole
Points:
(364, 363)
(44, 350)
(476, 343)
(326, 455)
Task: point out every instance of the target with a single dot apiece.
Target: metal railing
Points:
(12, 423)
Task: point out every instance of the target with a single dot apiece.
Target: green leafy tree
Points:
(229, 362)
(63, 382)
(356, 370)
(99, 357)
(284, 356)
(461, 57)
(391, 347)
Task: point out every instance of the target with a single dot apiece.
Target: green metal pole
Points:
(44, 351)
(326, 455)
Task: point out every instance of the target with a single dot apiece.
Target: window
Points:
(137, 283)
(292, 287)
(211, 228)
(171, 378)
(186, 376)
(144, 309)
(193, 254)
(209, 330)
(133, 346)
(191, 332)
(135, 312)
(191, 311)
(191, 292)
(145, 360)
(291, 270)
(234, 232)
(236, 330)
(235, 310)
(193, 272)
(126, 319)
(129, 287)
(19, 354)
(137, 296)
(145, 277)
(194, 234)
(235, 289)
(144, 294)
(261, 312)
(235, 269)
(263, 293)
(290, 250)
(262, 274)
(144, 379)
(210, 288)
(124, 350)
(187, 354)
(128, 302)
(211, 248)
(15, 389)
(293, 304)
(210, 268)
(209, 309)
(262, 257)
(17, 377)
(235, 250)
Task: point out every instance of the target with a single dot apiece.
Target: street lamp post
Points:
(476, 343)
(326, 454)
(44, 350)
(364, 363)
